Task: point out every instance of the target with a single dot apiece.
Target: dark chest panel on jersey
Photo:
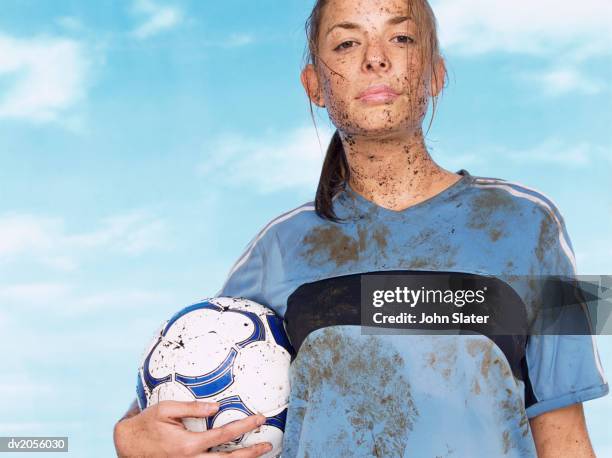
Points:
(336, 301)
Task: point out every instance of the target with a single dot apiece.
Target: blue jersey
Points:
(415, 395)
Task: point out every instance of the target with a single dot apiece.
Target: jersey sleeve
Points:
(245, 278)
(561, 369)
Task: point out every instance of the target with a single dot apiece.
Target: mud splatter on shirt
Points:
(416, 395)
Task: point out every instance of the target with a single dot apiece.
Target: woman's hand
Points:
(158, 431)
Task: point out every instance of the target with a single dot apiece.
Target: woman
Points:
(383, 204)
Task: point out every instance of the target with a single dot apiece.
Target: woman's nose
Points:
(376, 58)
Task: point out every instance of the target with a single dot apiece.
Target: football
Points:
(227, 350)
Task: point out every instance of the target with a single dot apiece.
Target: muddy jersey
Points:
(415, 395)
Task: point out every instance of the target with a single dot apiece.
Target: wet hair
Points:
(335, 171)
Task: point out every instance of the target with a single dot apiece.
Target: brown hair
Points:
(335, 171)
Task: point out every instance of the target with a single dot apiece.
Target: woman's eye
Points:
(405, 39)
(341, 46)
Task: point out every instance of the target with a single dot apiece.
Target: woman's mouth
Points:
(380, 93)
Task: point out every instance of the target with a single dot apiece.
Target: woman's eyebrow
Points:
(351, 25)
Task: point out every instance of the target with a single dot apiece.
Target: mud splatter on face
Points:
(352, 46)
(365, 376)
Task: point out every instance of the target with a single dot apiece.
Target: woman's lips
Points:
(379, 97)
(378, 93)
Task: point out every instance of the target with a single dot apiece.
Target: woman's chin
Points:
(385, 123)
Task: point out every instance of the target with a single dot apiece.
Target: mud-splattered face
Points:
(363, 43)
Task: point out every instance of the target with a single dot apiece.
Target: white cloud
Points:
(554, 151)
(458, 161)
(77, 323)
(562, 80)
(268, 163)
(233, 40)
(293, 160)
(50, 76)
(565, 34)
(131, 233)
(158, 18)
(551, 151)
(26, 232)
(66, 299)
(47, 240)
(21, 389)
(126, 299)
(32, 293)
(524, 26)
(21, 385)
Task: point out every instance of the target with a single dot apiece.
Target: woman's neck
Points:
(394, 173)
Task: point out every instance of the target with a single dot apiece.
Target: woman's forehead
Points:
(364, 12)
(366, 8)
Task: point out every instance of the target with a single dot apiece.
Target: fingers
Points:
(179, 409)
(247, 452)
(253, 450)
(226, 433)
(195, 442)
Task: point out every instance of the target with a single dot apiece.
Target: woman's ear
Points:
(438, 76)
(310, 81)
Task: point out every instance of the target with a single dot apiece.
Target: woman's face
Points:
(364, 43)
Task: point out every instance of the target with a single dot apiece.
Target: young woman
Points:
(383, 204)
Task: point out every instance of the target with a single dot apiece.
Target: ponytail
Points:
(334, 174)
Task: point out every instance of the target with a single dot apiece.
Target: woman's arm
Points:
(562, 433)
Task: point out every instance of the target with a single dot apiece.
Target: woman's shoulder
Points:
(287, 223)
(500, 192)
(535, 217)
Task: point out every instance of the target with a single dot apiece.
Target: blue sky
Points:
(143, 143)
